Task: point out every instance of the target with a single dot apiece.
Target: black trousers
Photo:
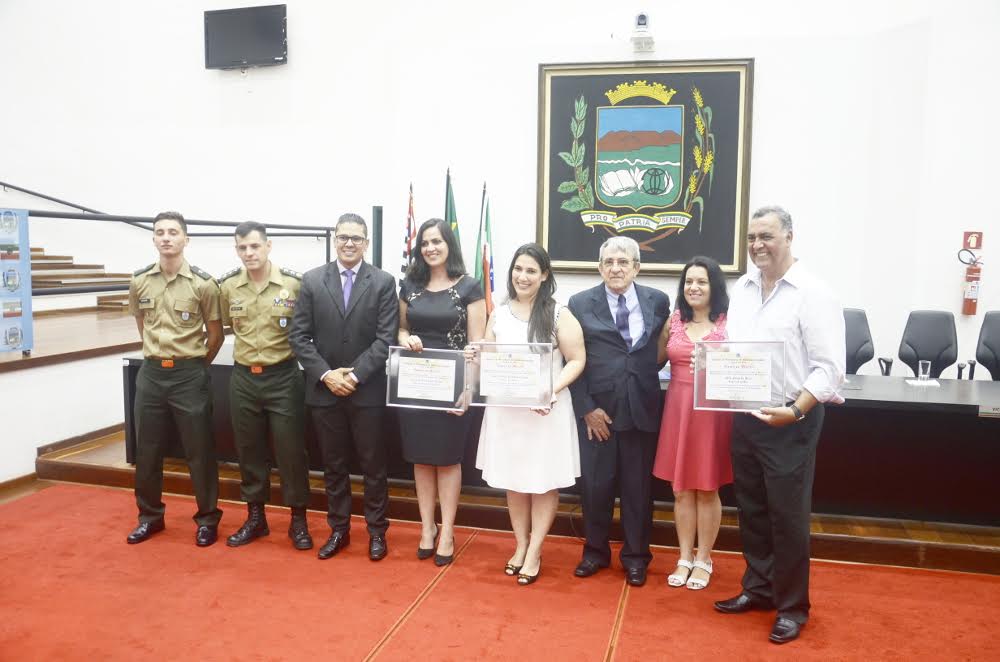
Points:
(341, 429)
(773, 471)
(183, 393)
(271, 400)
(627, 457)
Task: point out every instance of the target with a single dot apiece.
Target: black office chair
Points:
(860, 349)
(929, 336)
(988, 347)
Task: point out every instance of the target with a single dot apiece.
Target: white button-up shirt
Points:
(804, 313)
(635, 322)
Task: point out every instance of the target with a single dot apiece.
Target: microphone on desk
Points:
(972, 368)
(886, 364)
(961, 367)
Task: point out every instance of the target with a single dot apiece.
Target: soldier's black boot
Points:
(255, 526)
(298, 530)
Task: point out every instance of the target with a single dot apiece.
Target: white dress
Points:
(521, 450)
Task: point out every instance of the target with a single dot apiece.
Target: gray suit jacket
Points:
(325, 335)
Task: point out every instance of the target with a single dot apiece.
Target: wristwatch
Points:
(798, 412)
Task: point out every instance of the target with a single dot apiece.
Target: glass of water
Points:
(923, 370)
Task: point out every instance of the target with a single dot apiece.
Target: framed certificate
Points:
(431, 379)
(511, 375)
(739, 375)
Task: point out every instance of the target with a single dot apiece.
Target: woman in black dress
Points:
(440, 307)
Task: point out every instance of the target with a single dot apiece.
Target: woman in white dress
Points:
(533, 453)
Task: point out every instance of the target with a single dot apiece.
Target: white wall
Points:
(872, 124)
(53, 403)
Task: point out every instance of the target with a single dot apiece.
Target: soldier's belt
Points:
(258, 369)
(174, 363)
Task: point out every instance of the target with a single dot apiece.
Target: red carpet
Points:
(71, 589)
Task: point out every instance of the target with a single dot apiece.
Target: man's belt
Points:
(173, 363)
(259, 369)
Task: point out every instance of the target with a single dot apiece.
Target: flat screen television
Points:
(246, 37)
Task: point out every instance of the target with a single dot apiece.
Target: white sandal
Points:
(696, 584)
(676, 580)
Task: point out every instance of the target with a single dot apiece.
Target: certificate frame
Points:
(505, 380)
(421, 380)
(731, 375)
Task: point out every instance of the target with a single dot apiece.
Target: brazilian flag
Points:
(450, 215)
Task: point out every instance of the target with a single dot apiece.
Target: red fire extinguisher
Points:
(973, 274)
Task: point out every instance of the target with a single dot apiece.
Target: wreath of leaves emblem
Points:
(583, 192)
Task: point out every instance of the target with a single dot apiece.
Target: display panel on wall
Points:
(656, 151)
(15, 282)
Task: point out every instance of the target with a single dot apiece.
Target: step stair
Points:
(53, 272)
(117, 302)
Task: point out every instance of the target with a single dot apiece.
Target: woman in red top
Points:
(693, 448)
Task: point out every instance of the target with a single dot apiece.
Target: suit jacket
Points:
(325, 336)
(619, 379)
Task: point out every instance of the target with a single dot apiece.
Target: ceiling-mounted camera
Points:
(642, 38)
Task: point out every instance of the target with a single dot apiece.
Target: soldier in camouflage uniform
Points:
(267, 387)
(176, 309)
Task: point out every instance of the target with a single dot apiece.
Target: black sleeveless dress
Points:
(441, 320)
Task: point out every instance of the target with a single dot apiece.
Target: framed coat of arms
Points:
(656, 151)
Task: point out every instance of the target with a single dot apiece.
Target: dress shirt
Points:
(803, 312)
(341, 269)
(635, 325)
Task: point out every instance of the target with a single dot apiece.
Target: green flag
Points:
(484, 252)
(450, 215)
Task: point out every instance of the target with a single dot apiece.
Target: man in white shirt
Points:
(774, 450)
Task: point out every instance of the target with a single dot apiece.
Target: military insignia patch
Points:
(185, 316)
(283, 322)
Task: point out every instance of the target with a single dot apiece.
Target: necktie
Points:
(348, 284)
(621, 320)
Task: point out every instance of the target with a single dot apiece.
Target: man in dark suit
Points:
(346, 318)
(618, 397)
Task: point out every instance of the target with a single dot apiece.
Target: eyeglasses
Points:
(343, 239)
(611, 263)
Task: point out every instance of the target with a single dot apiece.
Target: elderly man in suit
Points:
(618, 397)
(346, 318)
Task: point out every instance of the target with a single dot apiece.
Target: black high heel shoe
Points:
(526, 580)
(510, 569)
(425, 553)
(441, 559)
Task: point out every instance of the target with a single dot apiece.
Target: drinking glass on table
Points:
(923, 370)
